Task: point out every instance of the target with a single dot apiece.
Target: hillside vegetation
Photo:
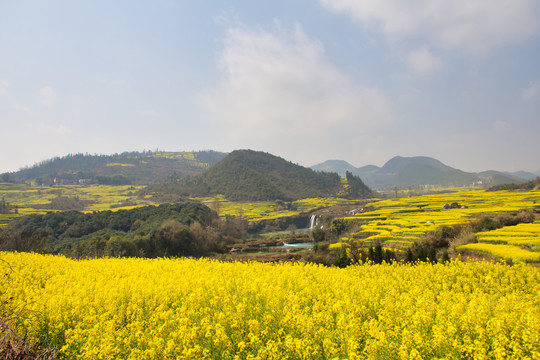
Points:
(246, 175)
(528, 185)
(117, 169)
(185, 229)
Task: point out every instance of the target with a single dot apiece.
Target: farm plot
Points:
(204, 309)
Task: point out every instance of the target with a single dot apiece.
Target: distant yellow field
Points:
(34, 199)
(409, 218)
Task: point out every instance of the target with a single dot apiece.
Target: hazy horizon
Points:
(305, 80)
(305, 165)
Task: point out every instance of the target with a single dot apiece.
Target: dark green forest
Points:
(183, 229)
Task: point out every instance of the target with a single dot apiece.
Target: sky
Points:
(306, 80)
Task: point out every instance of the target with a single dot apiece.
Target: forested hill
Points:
(182, 229)
(118, 169)
(257, 176)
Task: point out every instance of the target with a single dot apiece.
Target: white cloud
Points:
(279, 92)
(474, 25)
(531, 91)
(422, 61)
(47, 96)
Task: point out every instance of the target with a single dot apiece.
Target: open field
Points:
(264, 210)
(204, 309)
(40, 199)
(398, 222)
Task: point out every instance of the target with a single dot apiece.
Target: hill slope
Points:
(421, 170)
(257, 176)
(118, 169)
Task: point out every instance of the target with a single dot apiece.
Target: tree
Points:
(357, 188)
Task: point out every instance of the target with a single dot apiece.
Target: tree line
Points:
(183, 229)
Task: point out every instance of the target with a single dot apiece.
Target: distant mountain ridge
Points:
(143, 168)
(247, 175)
(420, 170)
(117, 169)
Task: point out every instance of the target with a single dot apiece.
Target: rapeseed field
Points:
(113, 308)
(397, 222)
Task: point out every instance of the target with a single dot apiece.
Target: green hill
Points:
(246, 175)
(418, 171)
(118, 169)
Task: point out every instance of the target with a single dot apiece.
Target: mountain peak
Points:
(398, 163)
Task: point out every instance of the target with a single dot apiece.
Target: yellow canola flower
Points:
(205, 309)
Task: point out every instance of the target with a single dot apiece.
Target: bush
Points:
(488, 223)
(422, 250)
(466, 236)
(485, 223)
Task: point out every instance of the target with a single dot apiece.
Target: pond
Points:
(304, 245)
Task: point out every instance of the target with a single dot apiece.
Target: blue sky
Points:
(309, 81)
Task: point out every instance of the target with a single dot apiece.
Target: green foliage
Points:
(378, 255)
(493, 222)
(112, 179)
(188, 229)
(318, 234)
(338, 226)
(421, 251)
(6, 208)
(357, 189)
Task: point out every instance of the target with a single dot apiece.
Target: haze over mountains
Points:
(420, 170)
(247, 171)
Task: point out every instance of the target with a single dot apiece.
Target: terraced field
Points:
(399, 222)
(40, 199)
(517, 243)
